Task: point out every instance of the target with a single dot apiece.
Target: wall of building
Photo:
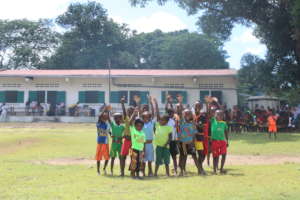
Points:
(155, 86)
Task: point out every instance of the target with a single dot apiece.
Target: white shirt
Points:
(172, 123)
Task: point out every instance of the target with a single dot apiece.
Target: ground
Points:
(54, 161)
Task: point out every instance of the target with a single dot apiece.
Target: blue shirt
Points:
(186, 131)
(149, 130)
(102, 133)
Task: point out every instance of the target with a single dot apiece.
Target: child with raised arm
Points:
(102, 151)
(163, 136)
(137, 140)
(126, 144)
(172, 122)
(117, 129)
(186, 134)
(148, 129)
(219, 137)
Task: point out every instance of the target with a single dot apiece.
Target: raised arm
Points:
(133, 116)
(123, 107)
(157, 109)
(151, 106)
(169, 102)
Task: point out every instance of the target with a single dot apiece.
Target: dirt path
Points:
(231, 160)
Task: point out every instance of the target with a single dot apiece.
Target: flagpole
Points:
(109, 71)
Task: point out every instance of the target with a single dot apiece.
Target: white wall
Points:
(74, 85)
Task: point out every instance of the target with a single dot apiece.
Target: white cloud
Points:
(158, 20)
(247, 37)
(32, 9)
(258, 50)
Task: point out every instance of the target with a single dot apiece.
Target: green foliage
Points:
(179, 50)
(91, 38)
(26, 44)
(276, 24)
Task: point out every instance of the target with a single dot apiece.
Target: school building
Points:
(90, 88)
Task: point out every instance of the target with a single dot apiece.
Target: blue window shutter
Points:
(114, 97)
(20, 97)
(144, 97)
(101, 97)
(203, 94)
(2, 97)
(81, 97)
(217, 94)
(163, 96)
(32, 96)
(61, 97)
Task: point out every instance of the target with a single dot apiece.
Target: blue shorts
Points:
(149, 153)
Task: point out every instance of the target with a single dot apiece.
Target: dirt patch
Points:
(231, 160)
(17, 145)
(66, 161)
(261, 159)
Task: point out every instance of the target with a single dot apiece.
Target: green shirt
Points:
(218, 129)
(137, 139)
(162, 134)
(117, 131)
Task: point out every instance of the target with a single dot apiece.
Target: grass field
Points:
(21, 145)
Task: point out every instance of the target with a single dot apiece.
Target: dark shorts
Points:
(173, 148)
(188, 149)
(136, 163)
(162, 155)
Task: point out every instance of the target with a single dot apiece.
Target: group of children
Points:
(146, 136)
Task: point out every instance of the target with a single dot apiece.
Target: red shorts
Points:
(219, 147)
(125, 147)
(102, 152)
(272, 129)
(205, 146)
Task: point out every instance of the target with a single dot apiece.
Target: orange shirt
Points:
(272, 120)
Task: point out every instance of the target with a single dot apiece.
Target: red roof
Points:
(118, 72)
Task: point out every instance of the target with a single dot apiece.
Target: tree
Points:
(277, 25)
(178, 50)
(26, 44)
(90, 39)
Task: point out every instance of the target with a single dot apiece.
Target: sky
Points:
(167, 18)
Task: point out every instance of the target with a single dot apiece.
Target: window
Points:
(91, 97)
(12, 96)
(56, 97)
(38, 96)
(115, 96)
(142, 94)
(203, 94)
(217, 94)
(174, 95)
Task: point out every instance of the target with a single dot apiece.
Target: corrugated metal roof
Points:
(118, 72)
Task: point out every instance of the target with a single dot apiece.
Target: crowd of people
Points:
(259, 119)
(183, 131)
